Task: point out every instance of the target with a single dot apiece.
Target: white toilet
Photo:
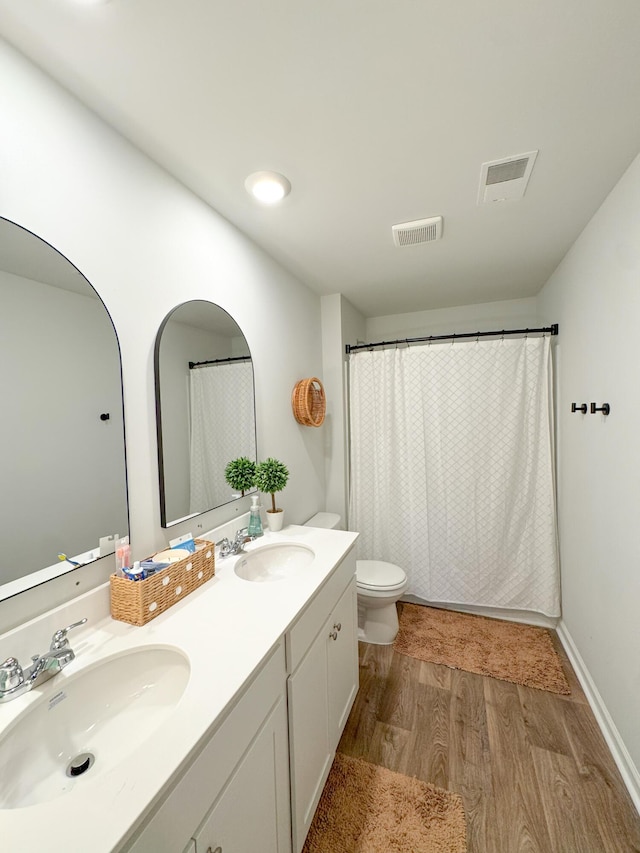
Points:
(379, 586)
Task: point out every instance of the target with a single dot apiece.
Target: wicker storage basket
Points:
(308, 402)
(138, 602)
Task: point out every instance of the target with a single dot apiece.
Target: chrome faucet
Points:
(14, 681)
(231, 549)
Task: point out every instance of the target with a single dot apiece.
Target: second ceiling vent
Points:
(417, 232)
(506, 179)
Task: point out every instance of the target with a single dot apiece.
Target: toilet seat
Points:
(372, 587)
(378, 575)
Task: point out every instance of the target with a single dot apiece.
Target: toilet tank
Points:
(329, 520)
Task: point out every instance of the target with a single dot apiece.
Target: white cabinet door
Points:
(321, 692)
(310, 752)
(252, 812)
(342, 662)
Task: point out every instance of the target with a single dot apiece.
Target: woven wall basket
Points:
(308, 402)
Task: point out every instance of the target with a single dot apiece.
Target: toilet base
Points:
(378, 625)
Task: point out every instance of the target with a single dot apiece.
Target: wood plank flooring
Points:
(532, 768)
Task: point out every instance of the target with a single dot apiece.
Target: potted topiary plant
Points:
(240, 473)
(271, 476)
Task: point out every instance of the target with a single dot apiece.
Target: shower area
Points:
(452, 466)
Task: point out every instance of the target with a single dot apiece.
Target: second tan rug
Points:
(369, 809)
(510, 651)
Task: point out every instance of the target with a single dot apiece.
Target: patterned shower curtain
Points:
(452, 470)
(222, 428)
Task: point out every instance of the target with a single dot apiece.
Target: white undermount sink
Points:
(87, 723)
(270, 563)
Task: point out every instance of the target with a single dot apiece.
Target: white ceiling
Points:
(378, 112)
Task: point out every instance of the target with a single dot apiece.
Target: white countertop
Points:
(226, 628)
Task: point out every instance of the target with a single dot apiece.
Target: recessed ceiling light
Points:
(267, 187)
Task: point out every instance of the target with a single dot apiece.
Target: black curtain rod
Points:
(551, 330)
(193, 364)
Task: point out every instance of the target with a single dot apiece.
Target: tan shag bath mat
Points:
(513, 652)
(369, 809)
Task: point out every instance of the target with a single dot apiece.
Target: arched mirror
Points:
(205, 408)
(64, 488)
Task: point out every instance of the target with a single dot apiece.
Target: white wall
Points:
(147, 244)
(484, 317)
(595, 297)
(341, 324)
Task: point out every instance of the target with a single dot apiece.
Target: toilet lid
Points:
(377, 574)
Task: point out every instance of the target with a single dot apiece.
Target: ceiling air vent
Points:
(417, 232)
(503, 180)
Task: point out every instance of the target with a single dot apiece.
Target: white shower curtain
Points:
(452, 470)
(222, 428)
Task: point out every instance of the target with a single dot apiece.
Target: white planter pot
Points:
(275, 520)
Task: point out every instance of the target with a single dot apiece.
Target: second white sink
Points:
(274, 562)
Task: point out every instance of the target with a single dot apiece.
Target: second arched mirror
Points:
(205, 408)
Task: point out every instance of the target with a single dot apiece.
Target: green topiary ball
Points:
(271, 477)
(240, 473)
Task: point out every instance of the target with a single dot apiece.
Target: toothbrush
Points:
(64, 557)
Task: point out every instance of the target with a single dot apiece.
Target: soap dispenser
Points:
(255, 522)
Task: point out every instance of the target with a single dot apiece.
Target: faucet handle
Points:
(225, 547)
(59, 639)
(11, 675)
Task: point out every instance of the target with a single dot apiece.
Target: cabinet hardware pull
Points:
(333, 635)
(338, 626)
(217, 850)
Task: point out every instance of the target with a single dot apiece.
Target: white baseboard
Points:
(624, 762)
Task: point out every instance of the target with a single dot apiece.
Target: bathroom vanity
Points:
(239, 760)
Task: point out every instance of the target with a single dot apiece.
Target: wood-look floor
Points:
(532, 767)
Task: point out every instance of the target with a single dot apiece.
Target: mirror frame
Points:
(160, 446)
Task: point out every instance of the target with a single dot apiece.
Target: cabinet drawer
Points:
(311, 620)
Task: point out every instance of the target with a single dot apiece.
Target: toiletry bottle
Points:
(123, 555)
(255, 522)
(135, 572)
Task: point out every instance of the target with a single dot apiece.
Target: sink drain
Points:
(80, 764)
